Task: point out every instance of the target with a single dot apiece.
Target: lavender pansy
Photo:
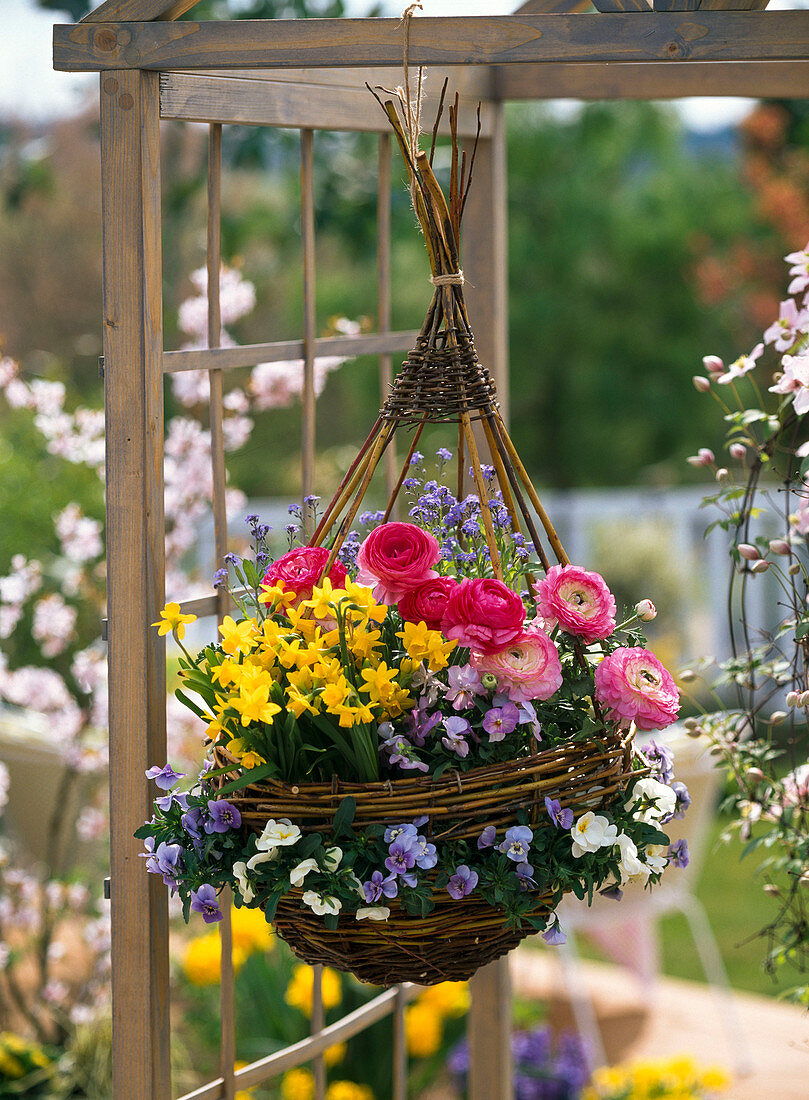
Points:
(221, 816)
(487, 837)
(561, 818)
(517, 842)
(462, 883)
(165, 778)
(204, 901)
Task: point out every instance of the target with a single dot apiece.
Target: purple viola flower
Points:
(500, 721)
(528, 717)
(204, 901)
(426, 854)
(401, 855)
(562, 818)
(683, 799)
(378, 886)
(678, 853)
(463, 882)
(487, 837)
(517, 842)
(192, 823)
(400, 752)
(444, 454)
(164, 777)
(554, 935)
(221, 816)
(393, 832)
(661, 759)
(420, 724)
(524, 872)
(168, 859)
(149, 856)
(456, 727)
(614, 892)
(464, 684)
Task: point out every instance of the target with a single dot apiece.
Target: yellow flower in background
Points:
(171, 619)
(447, 998)
(332, 1056)
(676, 1078)
(201, 961)
(299, 990)
(238, 637)
(243, 1094)
(298, 1084)
(250, 930)
(348, 1090)
(714, 1079)
(423, 1030)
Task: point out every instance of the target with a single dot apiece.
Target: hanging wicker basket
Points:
(450, 943)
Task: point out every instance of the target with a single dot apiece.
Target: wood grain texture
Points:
(205, 98)
(474, 40)
(612, 6)
(141, 10)
(130, 161)
(769, 79)
(489, 1033)
(308, 405)
(537, 7)
(248, 355)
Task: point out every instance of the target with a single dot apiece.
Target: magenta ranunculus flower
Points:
(396, 557)
(633, 686)
(428, 602)
(300, 570)
(483, 614)
(528, 668)
(578, 601)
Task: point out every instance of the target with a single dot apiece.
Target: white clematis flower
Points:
(661, 801)
(299, 873)
(322, 905)
(373, 912)
(591, 832)
(245, 888)
(278, 834)
(632, 866)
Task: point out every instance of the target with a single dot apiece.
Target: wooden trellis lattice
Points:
(309, 75)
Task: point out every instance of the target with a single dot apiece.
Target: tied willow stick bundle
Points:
(416, 747)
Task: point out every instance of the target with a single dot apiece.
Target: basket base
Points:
(448, 945)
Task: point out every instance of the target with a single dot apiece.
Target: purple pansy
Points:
(377, 886)
(401, 855)
(517, 842)
(464, 685)
(678, 853)
(487, 837)
(500, 721)
(164, 777)
(393, 832)
(661, 759)
(221, 816)
(683, 798)
(168, 859)
(456, 728)
(426, 854)
(614, 893)
(562, 818)
(420, 724)
(168, 800)
(524, 872)
(463, 882)
(554, 935)
(204, 901)
(400, 752)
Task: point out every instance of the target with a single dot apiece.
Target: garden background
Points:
(636, 246)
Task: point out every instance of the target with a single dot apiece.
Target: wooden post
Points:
(484, 260)
(133, 341)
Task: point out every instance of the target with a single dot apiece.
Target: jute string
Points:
(454, 279)
(411, 107)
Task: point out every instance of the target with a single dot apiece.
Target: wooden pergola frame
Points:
(309, 75)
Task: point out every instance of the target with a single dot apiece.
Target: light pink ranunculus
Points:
(483, 614)
(528, 668)
(632, 685)
(396, 557)
(578, 601)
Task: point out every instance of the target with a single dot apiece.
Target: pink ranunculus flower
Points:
(396, 557)
(633, 686)
(483, 614)
(528, 668)
(300, 571)
(578, 601)
(428, 602)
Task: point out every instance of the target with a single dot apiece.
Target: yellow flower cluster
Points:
(424, 1019)
(19, 1057)
(675, 1079)
(320, 658)
(299, 990)
(201, 959)
(299, 1084)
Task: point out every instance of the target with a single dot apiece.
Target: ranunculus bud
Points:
(777, 717)
(646, 611)
(489, 681)
(722, 473)
(703, 457)
(780, 546)
(794, 569)
(691, 723)
(695, 731)
(701, 383)
(759, 567)
(748, 551)
(738, 450)
(713, 364)
(792, 698)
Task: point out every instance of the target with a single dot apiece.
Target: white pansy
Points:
(322, 905)
(656, 859)
(373, 912)
(331, 860)
(245, 888)
(591, 832)
(262, 857)
(277, 834)
(657, 801)
(631, 864)
(299, 873)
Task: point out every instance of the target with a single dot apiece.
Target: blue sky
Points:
(29, 88)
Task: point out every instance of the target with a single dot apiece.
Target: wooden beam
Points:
(197, 98)
(768, 79)
(133, 384)
(612, 6)
(489, 1033)
(119, 11)
(563, 7)
(474, 40)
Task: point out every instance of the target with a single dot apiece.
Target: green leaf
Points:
(344, 816)
(252, 775)
(191, 705)
(271, 905)
(330, 920)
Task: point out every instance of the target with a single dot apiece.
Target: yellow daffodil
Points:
(379, 682)
(423, 1030)
(334, 693)
(298, 1084)
(363, 642)
(253, 704)
(299, 990)
(238, 637)
(171, 619)
(276, 596)
(298, 703)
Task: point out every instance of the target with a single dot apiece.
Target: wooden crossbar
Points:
(249, 355)
(472, 40)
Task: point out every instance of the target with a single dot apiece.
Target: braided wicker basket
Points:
(456, 938)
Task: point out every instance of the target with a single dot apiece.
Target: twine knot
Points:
(454, 279)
